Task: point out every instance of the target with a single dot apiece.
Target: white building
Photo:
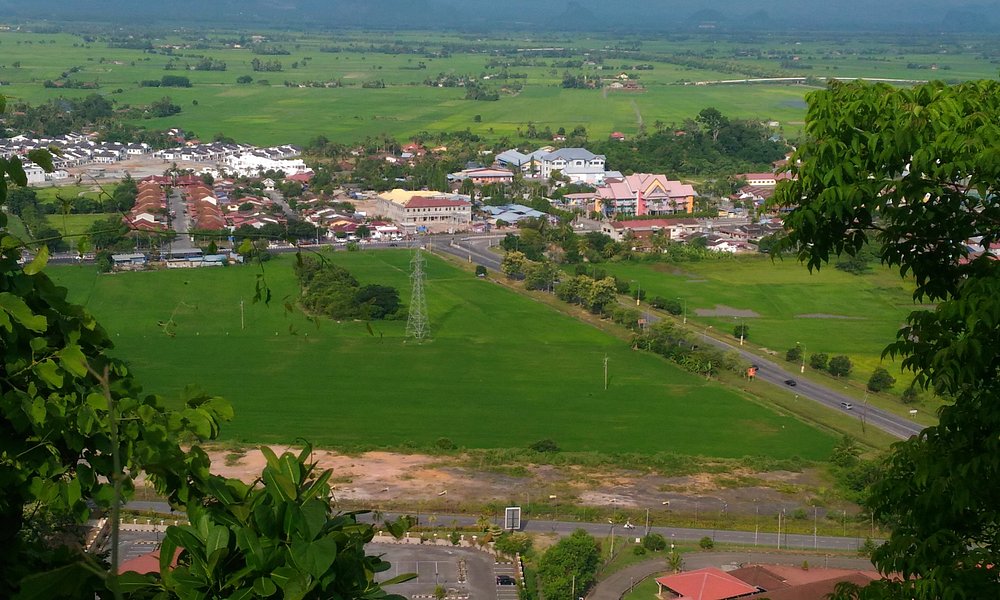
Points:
(578, 164)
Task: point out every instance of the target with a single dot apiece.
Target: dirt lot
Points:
(384, 479)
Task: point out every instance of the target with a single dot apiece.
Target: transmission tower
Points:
(416, 323)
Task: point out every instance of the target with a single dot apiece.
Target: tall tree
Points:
(918, 170)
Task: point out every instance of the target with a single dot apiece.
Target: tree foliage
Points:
(880, 380)
(330, 290)
(917, 170)
(571, 563)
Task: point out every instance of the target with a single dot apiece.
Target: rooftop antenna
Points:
(416, 323)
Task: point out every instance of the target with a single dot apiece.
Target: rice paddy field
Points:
(275, 109)
(501, 370)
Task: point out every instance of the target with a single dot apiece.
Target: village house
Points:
(671, 229)
(643, 194)
(414, 209)
(483, 176)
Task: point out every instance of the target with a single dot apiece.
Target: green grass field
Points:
(276, 113)
(502, 370)
(827, 311)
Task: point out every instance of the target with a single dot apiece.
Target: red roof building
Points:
(704, 584)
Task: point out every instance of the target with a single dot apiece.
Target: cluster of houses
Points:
(150, 210)
(241, 160)
(75, 150)
(731, 238)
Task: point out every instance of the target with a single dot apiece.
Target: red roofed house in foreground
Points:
(703, 584)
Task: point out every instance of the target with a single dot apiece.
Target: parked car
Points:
(790, 383)
(846, 405)
(506, 580)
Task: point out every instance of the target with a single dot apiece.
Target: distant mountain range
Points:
(519, 15)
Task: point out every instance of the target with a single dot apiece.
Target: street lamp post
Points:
(756, 521)
(815, 538)
(802, 369)
(638, 291)
(684, 319)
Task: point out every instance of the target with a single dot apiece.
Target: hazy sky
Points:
(623, 15)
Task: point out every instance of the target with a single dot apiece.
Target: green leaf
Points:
(315, 557)
(218, 538)
(72, 359)
(69, 581)
(249, 543)
(264, 587)
(131, 582)
(43, 158)
(49, 372)
(16, 171)
(97, 401)
(38, 263)
(16, 308)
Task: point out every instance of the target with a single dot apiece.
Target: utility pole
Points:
(779, 531)
(647, 521)
(605, 372)
(243, 323)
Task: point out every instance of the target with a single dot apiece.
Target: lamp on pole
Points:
(685, 310)
(756, 520)
(815, 538)
(802, 369)
(638, 291)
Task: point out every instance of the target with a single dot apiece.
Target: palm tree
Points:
(675, 562)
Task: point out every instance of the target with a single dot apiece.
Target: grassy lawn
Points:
(501, 370)
(828, 311)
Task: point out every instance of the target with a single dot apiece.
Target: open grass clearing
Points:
(859, 315)
(501, 370)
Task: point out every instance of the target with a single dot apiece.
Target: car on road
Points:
(791, 382)
(846, 405)
(506, 580)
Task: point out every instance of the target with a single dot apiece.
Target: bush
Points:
(880, 380)
(840, 366)
(480, 271)
(741, 332)
(654, 542)
(546, 445)
(445, 444)
(706, 543)
(818, 360)
(638, 550)
(910, 395)
(794, 354)
(454, 537)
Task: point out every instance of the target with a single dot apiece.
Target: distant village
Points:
(630, 208)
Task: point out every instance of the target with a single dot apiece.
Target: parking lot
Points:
(463, 572)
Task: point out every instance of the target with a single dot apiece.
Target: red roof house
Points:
(704, 584)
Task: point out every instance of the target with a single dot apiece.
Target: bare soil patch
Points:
(379, 478)
(721, 310)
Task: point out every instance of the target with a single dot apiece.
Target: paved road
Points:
(601, 530)
(776, 374)
(279, 199)
(617, 584)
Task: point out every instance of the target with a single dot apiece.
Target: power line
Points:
(416, 323)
